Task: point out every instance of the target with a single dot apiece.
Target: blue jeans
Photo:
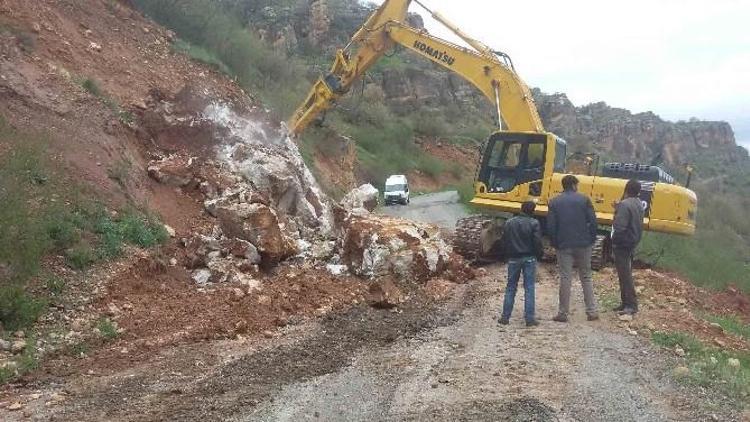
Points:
(515, 266)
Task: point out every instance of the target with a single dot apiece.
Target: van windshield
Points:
(395, 188)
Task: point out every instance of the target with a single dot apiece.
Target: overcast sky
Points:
(678, 58)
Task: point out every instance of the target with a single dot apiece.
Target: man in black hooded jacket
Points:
(522, 243)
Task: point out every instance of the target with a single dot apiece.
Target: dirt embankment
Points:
(255, 245)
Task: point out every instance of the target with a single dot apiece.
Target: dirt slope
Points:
(49, 51)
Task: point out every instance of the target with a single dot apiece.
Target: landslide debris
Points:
(268, 208)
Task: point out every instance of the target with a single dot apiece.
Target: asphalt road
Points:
(442, 209)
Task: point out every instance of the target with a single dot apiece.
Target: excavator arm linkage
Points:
(384, 29)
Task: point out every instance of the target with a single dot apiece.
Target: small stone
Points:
(95, 47)
(15, 406)
(173, 262)
(681, 371)
(5, 345)
(625, 317)
(18, 346)
(238, 293)
(679, 351)
(720, 342)
(733, 362)
(171, 231)
(201, 276)
(56, 398)
(716, 325)
(19, 334)
(268, 334)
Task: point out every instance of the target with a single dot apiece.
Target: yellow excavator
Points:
(520, 161)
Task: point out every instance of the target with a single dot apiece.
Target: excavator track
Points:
(599, 253)
(475, 237)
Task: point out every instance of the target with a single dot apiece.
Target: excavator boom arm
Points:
(386, 28)
(488, 74)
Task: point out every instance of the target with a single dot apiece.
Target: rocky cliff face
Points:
(641, 136)
(410, 83)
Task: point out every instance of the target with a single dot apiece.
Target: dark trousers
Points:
(624, 265)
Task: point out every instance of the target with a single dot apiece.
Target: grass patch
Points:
(201, 55)
(609, 300)
(27, 362)
(710, 367)
(120, 172)
(712, 258)
(18, 309)
(42, 212)
(107, 329)
(102, 236)
(731, 325)
(80, 349)
(80, 257)
(55, 285)
(92, 87)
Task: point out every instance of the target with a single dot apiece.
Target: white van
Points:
(396, 190)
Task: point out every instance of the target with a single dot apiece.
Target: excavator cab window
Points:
(512, 159)
(561, 148)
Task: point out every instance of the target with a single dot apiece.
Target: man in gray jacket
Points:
(571, 226)
(626, 234)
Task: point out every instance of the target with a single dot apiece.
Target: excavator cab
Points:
(516, 163)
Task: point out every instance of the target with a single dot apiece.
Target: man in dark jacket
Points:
(571, 223)
(522, 241)
(626, 234)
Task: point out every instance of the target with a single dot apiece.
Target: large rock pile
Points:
(374, 246)
(267, 208)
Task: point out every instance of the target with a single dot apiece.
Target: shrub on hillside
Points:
(42, 212)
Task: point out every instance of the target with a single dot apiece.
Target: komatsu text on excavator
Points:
(521, 161)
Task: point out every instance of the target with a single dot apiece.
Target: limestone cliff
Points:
(313, 28)
(640, 136)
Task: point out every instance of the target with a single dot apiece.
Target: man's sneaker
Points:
(592, 317)
(560, 318)
(532, 323)
(628, 311)
(503, 321)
